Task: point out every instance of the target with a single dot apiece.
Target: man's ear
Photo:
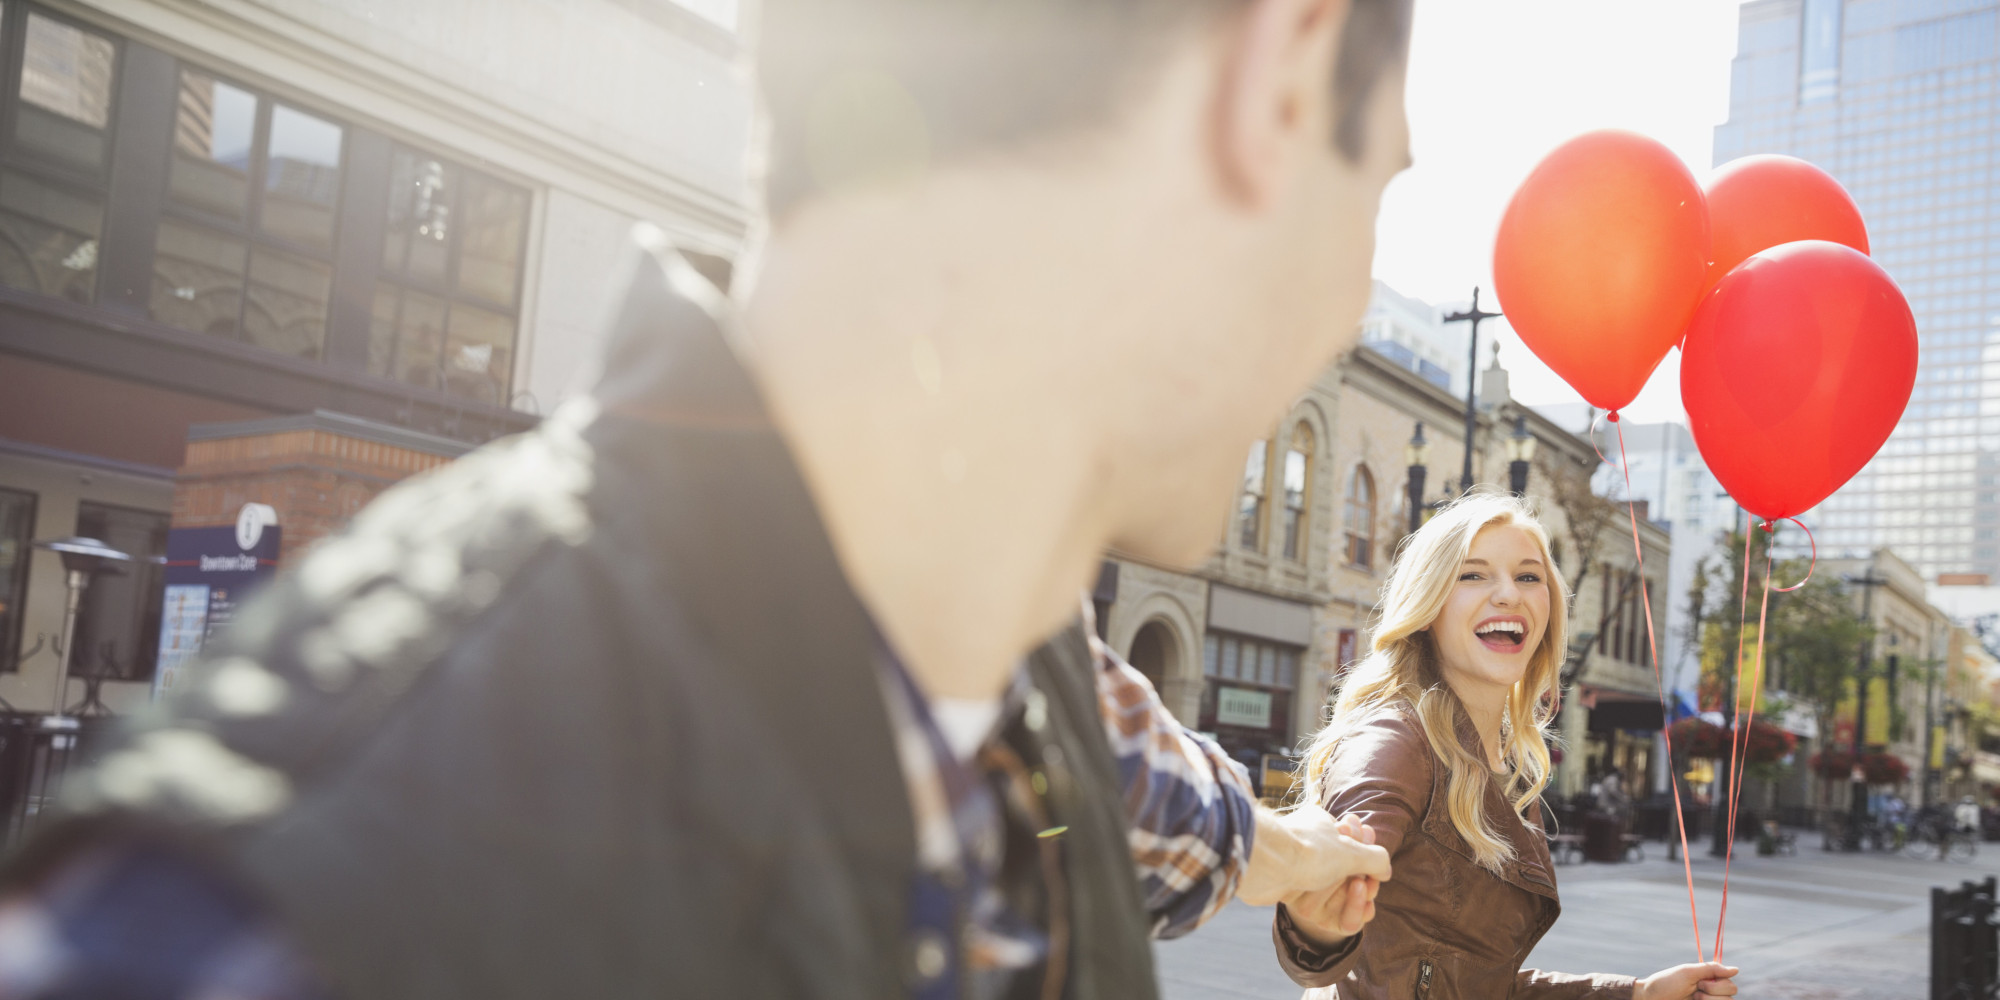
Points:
(1276, 94)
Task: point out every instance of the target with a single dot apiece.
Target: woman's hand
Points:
(1331, 915)
(1688, 982)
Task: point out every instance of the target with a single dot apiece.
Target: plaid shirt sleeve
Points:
(1191, 808)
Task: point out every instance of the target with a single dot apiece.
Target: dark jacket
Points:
(1444, 928)
(593, 713)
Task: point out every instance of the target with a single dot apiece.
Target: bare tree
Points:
(1586, 516)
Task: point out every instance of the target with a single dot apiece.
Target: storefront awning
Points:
(1613, 710)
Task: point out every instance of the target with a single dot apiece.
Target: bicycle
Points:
(1934, 837)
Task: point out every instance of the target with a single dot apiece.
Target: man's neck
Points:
(959, 485)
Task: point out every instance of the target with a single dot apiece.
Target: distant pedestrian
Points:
(1610, 795)
(1895, 812)
(1965, 816)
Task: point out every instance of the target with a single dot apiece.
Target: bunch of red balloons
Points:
(1798, 351)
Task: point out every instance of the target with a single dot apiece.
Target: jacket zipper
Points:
(1424, 970)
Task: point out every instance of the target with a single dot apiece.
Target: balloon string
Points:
(1726, 790)
(1659, 682)
(1743, 722)
(1592, 436)
(1810, 567)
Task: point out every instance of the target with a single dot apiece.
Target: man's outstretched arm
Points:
(1198, 835)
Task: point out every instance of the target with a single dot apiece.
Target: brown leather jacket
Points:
(1444, 927)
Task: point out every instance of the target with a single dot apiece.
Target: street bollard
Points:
(1965, 942)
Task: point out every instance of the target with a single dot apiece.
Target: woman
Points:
(1436, 749)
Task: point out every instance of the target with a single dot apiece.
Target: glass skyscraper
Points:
(1896, 99)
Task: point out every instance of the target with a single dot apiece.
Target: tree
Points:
(1585, 514)
(1812, 645)
(1811, 635)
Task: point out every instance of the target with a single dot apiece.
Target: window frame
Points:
(1360, 548)
(1289, 663)
(250, 231)
(14, 15)
(447, 288)
(145, 654)
(1298, 511)
(1251, 507)
(17, 586)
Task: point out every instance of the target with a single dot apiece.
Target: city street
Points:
(1822, 926)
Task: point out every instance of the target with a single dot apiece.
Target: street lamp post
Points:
(1520, 452)
(1475, 314)
(1857, 805)
(1417, 455)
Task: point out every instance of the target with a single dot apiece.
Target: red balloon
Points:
(1758, 202)
(1795, 370)
(1601, 259)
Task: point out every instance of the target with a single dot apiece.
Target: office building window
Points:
(54, 165)
(118, 626)
(245, 250)
(1250, 503)
(17, 532)
(448, 302)
(1819, 61)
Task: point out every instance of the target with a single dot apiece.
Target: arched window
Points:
(1154, 652)
(1361, 518)
(1298, 486)
(1250, 504)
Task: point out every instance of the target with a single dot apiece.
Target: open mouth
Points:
(1505, 636)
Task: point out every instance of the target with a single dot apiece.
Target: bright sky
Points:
(1496, 84)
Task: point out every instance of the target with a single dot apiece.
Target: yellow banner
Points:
(1937, 746)
(1715, 653)
(1878, 710)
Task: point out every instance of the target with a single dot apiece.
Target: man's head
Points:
(1180, 193)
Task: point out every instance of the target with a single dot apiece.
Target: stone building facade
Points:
(1250, 645)
(1910, 653)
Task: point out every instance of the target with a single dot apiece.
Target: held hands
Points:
(1338, 912)
(1325, 872)
(1688, 982)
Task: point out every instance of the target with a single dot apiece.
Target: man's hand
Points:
(1688, 982)
(1299, 853)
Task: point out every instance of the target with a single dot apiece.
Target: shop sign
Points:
(208, 572)
(1237, 707)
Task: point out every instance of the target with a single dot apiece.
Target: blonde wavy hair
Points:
(1403, 669)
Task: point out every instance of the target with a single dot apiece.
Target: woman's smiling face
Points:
(1497, 611)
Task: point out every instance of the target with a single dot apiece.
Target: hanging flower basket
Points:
(1884, 769)
(1833, 765)
(1765, 743)
(1876, 768)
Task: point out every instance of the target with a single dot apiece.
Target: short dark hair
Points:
(984, 74)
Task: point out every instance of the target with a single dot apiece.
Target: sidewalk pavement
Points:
(1817, 925)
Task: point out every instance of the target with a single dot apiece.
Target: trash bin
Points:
(1603, 838)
